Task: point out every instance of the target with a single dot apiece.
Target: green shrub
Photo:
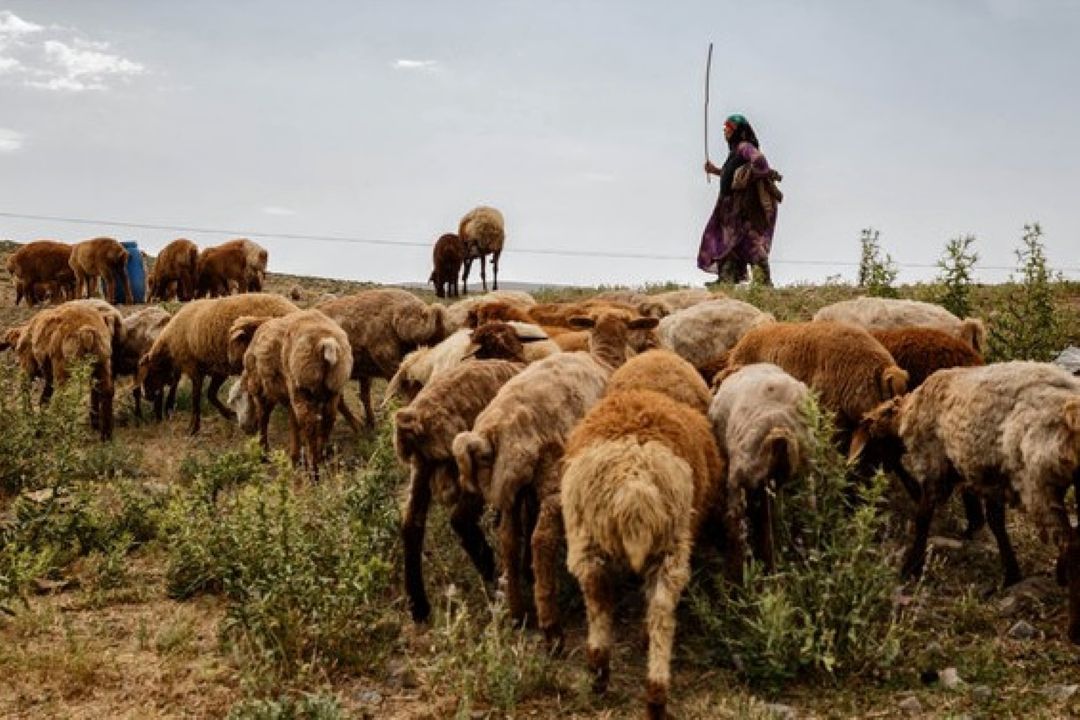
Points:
(828, 609)
(1028, 325)
(306, 568)
(955, 278)
(876, 273)
(305, 707)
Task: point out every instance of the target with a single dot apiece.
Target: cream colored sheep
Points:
(875, 313)
(703, 332)
(483, 232)
(757, 417)
(1008, 431)
(196, 343)
(383, 326)
(511, 454)
(424, 433)
(663, 304)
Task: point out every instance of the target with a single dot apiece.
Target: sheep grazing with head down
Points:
(758, 421)
(483, 233)
(301, 360)
(849, 369)
(1011, 433)
(457, 314)
(874, 313)
(43, 266)
(447, 257)
(702, 333)
(57, 337)
(383, 326)
(511, 455)
(174, 272)
(196, 343)
(642, 479)
(102, 258)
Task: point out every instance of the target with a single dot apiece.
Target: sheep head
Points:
(241, 333)
(880, 424)
(498, 341)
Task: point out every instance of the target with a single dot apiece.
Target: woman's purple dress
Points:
(730, 237)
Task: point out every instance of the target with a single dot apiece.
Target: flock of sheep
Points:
(629, 426)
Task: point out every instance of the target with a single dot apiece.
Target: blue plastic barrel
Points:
(136, 275)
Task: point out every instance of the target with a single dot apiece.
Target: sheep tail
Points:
(394, 386)
(330, 351)
(973, 331)
(634, 511)
(468, 448)
(894, 381)
(782, 449)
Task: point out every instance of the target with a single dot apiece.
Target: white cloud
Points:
(275, 210)
(13, 26)
(10, 141)
(59, 59)
(404, 64)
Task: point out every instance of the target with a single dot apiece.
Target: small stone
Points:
(1008, 606)
(950, 679)
(370, 697)
(939, 542)
(982, 694)
(911, 705)
(1022, 630)
(781, 711)
(1060, 692)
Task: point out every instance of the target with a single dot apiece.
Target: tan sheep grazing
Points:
(642, 478)
(457, 314)
(174, 272)
(483, 233)
(663, 304)
(512, 453)
(196, 343)
(664, 372)
(424, 433)
(447, 257)
(219, 269)
(702, 333)
(56, 338)
(849, 369)
(1009, 432)
(758, 421)
(875, 313)
(383, 326)
(42, 265)
(103, 258)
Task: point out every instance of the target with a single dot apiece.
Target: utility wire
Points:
(422, 244)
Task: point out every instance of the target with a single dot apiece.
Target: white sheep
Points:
(704, 332)
(874, 313)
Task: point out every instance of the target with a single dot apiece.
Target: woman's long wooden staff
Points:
(708, 69)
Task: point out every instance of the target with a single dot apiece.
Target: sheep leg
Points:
(465, 265)
(1072, 560)
(95, 405)
(995, 517)
(365, 399)
(110, 287)
(263, 411)
(510, 547)
(103, 386)
(413, 524)
(495, 269)
(136, 397)
(973, 511)
(346, 413)
(762, 529)
(924, 514)
(483, 271)
(545, 554)
(665, 586)
(294, 436)
(196, 402)
(129, 297)
(170, 400)
(465, 520)
(216, 381)
(591, 574)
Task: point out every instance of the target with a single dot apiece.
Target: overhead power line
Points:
(427, 244)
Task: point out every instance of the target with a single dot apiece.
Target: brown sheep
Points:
(483, 232)
(383, 325)
(850, 370)
(59, 336)
(196, 343)
(43, 264)
(642, 479)
(218, 269)
(665, 372)
(103, 258)
(447, 257)
(174, 272)
(255, 260)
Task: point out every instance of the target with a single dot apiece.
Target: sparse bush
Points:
(956, 275)
(828, 609)
(487, 662)
(305, 707)
(876, 273)
(306, 568)
(1028, 326)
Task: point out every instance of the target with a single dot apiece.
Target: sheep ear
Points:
(893, 382)
(582, 322)
(644, 323)
(530, 339)
(859, 441)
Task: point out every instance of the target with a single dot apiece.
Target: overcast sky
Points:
(581, 121)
